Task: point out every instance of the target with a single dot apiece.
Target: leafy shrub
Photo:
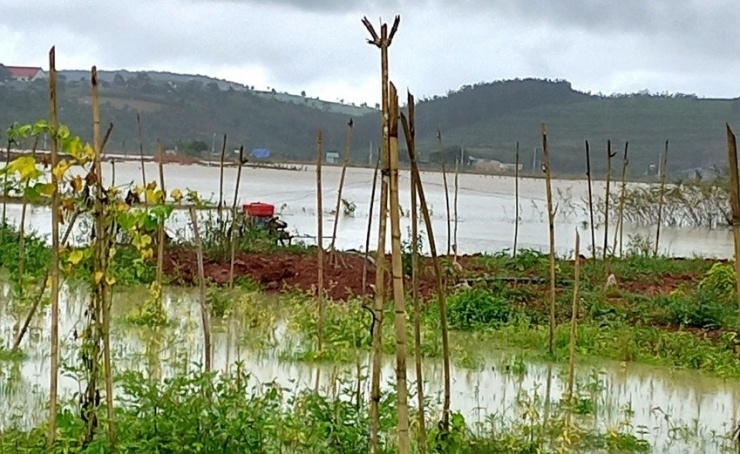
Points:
(476, 307)
(705, 309)
(720, 278)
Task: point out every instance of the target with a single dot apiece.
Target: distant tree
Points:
(118, 79)
(303, 93)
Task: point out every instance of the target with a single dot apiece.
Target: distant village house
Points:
(26, 73)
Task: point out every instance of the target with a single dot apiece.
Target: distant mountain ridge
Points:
(487, 119)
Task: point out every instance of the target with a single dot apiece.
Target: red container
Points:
(259, 210)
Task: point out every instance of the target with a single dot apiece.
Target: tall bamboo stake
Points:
(204, 309)
(609, 156)
(141, 157)
(441, 289)
(382, 42)
(232, 233)
(551, 221)
(347, 149)
(573, 321)
(54, 275)
(160, 228)
(735, 202)
(113, 172)
(622, 196)
(516, 200)
(320, 238)
(447, 191)
(399, 296)
(221, 180)
(369, 227)
(410, 128)
(101, 257)
(457, 189)
(591, 202)
(661, 202)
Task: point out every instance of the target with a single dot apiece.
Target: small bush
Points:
(705, 309)
(720, 279)
(475, 307)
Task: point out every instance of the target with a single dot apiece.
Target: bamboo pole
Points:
(347, 150)
(661, 202)
(204, 309)
(410, 129)
(221, 180)
(383, 42)
(735, 203)
(457, 188)
(447, 191)
(573, 322)
(54, 275)
(369, 228)
(320, 238)
(160, 227)
(622, 196)
(591, 202)
(399, 296)
(232, 233)
(441, 289)
(141, 157)
(609, 156)
(100, 265)
(516, 200)
(113, 172)
(551, 221)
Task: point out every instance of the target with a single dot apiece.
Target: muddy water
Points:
(486, 208)
(674, 411)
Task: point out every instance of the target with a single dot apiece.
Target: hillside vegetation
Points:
(486, 119)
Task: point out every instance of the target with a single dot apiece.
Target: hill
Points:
(486, 119)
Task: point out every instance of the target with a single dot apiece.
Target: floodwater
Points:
(485, 208)
(673, 411)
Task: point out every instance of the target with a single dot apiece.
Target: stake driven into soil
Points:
(573, 321)
(609, 156)
(735, 203)
(382, 42)
(622, 196)
(457, 190)
(54, 275)
(410, 133)
(441, 289)
(204, 309)
(591, 202)
(399, 296)
(320, 238)
(221, 180)
(234, 214)
(551, 223)
(160, 226)
(345, 162)
(447, 191)
(516, 200)
(661, 198)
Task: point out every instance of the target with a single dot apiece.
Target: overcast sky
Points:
(688, 46)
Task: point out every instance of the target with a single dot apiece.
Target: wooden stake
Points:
(447, 191)
(141, 157)
(399, 296)
(551, 221)
(383, 42)
(457, 188)
(661, 202)
(609, 156)
(441, 289)
(54, 275)
(347, 149)
(320, 238)
(234, 214)
(411, 144)
(101, 259)
(735, 202)
(221, 180)
(113, 172)
(591, 203)
(204, 309)
(160, 228)
(573, 321)
(623, 194)
(369, 228)
(516, 200)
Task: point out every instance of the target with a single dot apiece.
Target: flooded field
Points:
(486, 208)
(673, 411)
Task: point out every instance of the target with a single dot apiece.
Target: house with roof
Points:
(26, 73)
